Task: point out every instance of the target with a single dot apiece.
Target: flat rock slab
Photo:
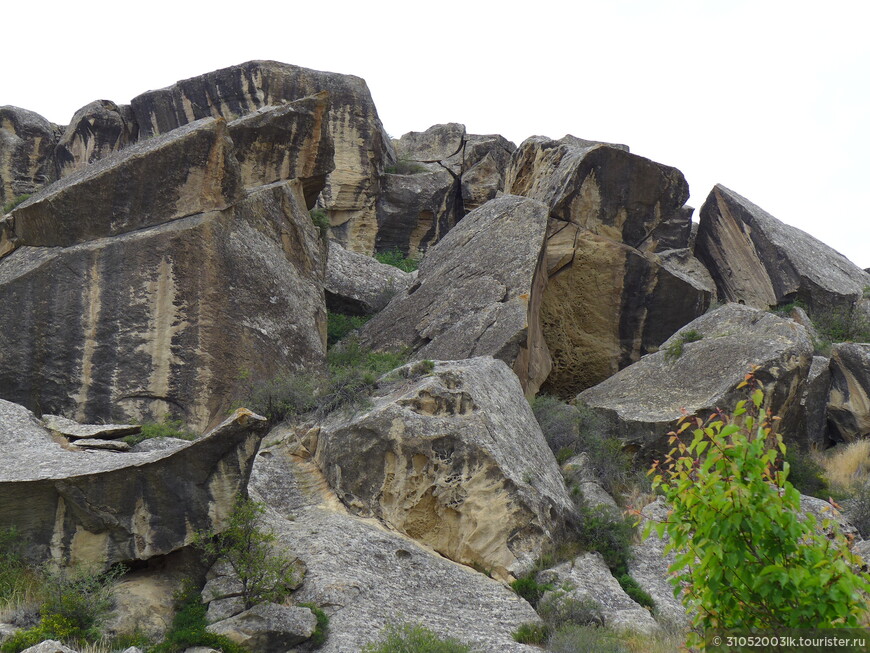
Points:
(268, 627)
(365, 576)
(105, 445)
(72, 429)
(357, 284)
(102, 507)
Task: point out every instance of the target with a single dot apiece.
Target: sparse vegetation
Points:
(11, 204)
(188, 627)
(674, 350)
(845, 323)
(406, 167)
(532, 633)
(530, 589)
(321, 631)
(168, 428)
(339, 325)
(414, 638)
(806, 474)
(320, 220)
(397, 259)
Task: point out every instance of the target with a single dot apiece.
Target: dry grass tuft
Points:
(847, 467)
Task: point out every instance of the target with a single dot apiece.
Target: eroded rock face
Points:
(357, 284)
(438, 143)
(758, 260)
(366, 576)
(815, 402)
(607, 304)
(95, 131)
(849, 400)
(361, 145)
(644, 401)
(605, 189)
(164, 320)
(27, 142)
(477, 293)
(455, 460)
(104, 507)
(268, 627)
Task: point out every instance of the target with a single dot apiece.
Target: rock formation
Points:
(849, 401)
(27, 142)
(357, 284)
(95, 131)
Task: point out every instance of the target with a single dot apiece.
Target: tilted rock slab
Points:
(758, 260)
(607, 304)
(605, 189)
(455, 460)
(27, 142)
(268, 627)
(95, 131)
(365, 576)
(849, 400)
(165, 320)
(361, 144)
(644, 401)
(104, 507)
(477, 293)
(357, 284)
(815, 402)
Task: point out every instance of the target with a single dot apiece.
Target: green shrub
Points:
(168, 428)
(320, 220)
(609, 534)
(560, 609)
(675, 349)
(286, 395)
(397, 259)
(414, 638)
(746, 557)
(531, 633)
(188, 628)
(11, 204)
(559, 422)
(575, 638)
(530, 589)
(267, 575)
(635, 591)
(321, 631)
(338, 325)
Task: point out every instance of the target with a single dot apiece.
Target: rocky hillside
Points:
(429, 435)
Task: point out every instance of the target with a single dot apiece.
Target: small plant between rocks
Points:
(397, 259)
(416, 638)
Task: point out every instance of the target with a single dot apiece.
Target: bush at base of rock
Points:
(414, 637)
(189, 627)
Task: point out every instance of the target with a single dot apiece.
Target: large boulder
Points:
(361, 145)
(165, 320)
(455, 460)
(268, 627)
(27, 142)
(607, 304)
(436, 144)
(849, 400)
(357, 284)
(101, 507)
(644, 401)
(484, 164)
(366, 576)
(477, 293)
(95, 131)
(605, 189)
(815, 402)
(757, 260)
(186, 172)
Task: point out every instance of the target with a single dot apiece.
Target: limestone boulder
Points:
(27, 142)
(165, 320)
(607, 304)
(95, 131)
(365, 576)
(361, 144)
(290, 141)
(849, 400)
(415, 211)
(267, 627)
(758, 260)
(477, 293)
(644, 401)
(190, 171)
(605, 189)
(50, 646)
(454, 459)
(357, 284)
(103, 507)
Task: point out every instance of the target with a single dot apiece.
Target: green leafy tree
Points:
(746, 556)
(266, 574)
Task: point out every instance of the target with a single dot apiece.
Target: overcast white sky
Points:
(769, 98)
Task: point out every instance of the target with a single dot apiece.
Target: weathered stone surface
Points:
(649, 566)
(605, 189)
(72, 429)
(190, 171)
(849, 399)
(8, 242)
(415, 211)
(104, 445)
(361, 144)
(607, 304)
(438, 143)
(578, 474)
(291, 141)
(95, 131)
(760, 261)
(357, 284)
(815, 402)
(27, 143)
(365, 576)
(101, 507)
(162, 321)
(477, 293)
(49, 646)
(455, 460)
(587, 577)
(268, 627)
(485, 162)
(644, 401)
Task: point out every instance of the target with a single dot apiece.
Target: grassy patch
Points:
(674, 350)
(531, 633)
(339, 325)
(11, 204)
(321, 631)
(320, 220)
(188, 627)
(168, 428)
(416, 638)
(530, 589)
(397, 259)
